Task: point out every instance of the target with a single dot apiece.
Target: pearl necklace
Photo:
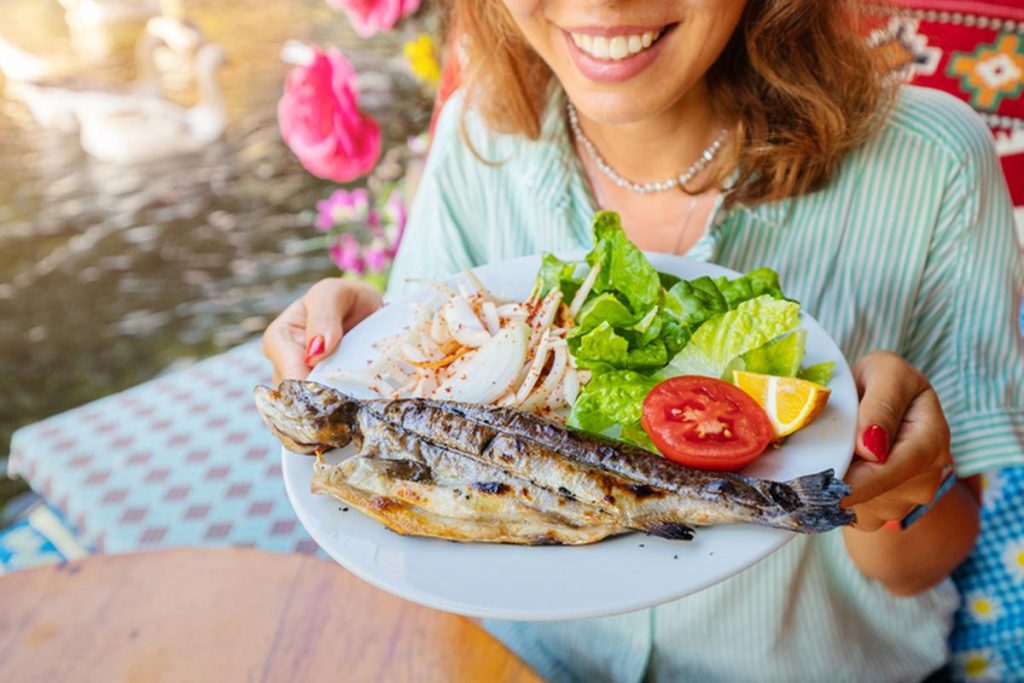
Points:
(643, 188)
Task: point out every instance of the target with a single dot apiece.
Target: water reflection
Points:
(109, 275)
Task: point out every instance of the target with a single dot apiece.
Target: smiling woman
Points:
(885, 214)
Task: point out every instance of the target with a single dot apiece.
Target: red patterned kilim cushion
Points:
(974, 50)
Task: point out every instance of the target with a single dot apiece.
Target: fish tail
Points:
(817, 506)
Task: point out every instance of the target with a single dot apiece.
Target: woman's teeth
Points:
(614, 48)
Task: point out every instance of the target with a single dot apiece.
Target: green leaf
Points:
(624, 268)
(756, 283)
(716, 343)
(694, 301)
(555, 274)
(647, 358)
(613, 398)
(601, 345)
(820, 373)
(602, 308)
(780, 357)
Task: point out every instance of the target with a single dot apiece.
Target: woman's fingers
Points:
(887, 385)
(918, 456)
(284, 343)
(332, 306)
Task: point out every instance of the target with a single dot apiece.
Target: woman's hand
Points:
(902, 456)
(311, 327)
(902, 443)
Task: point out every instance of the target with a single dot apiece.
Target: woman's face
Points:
(622, 61)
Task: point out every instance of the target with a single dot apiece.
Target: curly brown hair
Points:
(796, 75)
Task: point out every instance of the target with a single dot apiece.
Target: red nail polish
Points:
(893, 525)
(876, 440)
(314, 347)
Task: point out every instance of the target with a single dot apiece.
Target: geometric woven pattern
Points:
(182, 460)
(988, 638)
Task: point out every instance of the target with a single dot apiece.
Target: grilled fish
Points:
(404, 497)
(643, 491)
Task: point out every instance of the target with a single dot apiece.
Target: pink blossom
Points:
(347, 254)
(377, 257)
(343, 206)
(370, 16)
(321, 122)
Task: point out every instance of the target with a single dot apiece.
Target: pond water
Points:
(111, 275)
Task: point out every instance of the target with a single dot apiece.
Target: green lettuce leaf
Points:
(692, 302)
(624, 268)
(600, 346)
(780, 357)
(756, 283)
(613, 398)
(602, 308)
(555, 274)
(716, 343)
(821, 373)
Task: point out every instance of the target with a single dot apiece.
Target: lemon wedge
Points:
(791, 403)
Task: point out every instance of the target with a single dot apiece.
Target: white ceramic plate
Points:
(549, 582)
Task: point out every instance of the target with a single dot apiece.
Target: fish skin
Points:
(590, 491)
(408, 519)
(466, 472)
(528, 446)
(592, 469)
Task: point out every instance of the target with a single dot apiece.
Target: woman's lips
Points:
(613, 70)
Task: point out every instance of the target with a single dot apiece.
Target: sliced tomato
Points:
(706, 423)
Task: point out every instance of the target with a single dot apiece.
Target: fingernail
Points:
(893, 525)
(876, 440)
(314, 347)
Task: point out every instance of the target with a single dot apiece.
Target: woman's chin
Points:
(622, 107)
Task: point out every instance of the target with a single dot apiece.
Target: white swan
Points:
(147, 129)
(56, 102)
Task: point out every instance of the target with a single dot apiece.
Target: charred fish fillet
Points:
(402, 516)
(644, 491)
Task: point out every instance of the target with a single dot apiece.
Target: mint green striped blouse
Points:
(911, 248)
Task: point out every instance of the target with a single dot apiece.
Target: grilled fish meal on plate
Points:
(470, 472)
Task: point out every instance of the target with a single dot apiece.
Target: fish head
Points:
(308, 417)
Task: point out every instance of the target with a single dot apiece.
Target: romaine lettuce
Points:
(715, 345)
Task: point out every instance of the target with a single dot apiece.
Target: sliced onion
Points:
(584, 291)
(545, 316)
(490, 371)
(513, 311)
(571, 385)
(490, 313)
(413, 354)
(547, 387)
(463, 324)
(439, 327)
(533, 374)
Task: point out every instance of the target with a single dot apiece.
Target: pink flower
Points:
(343, 206)
(347, 254)
(369, 16)
(321, 122)
(377, 258)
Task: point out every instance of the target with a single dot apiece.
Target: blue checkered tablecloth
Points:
(182, 460)
(988, 636)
